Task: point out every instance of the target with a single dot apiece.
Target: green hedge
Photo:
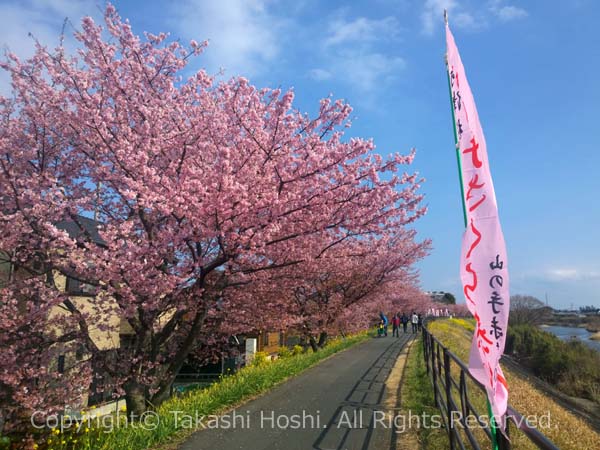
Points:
(572, 366)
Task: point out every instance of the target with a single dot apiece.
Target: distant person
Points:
(404, 320)
(415, 322)
(396, 326)
(385, 323)
(380, 328)
(420, 322)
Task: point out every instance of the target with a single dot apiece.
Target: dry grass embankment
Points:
(565, 429)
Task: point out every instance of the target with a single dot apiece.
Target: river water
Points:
(566, 333)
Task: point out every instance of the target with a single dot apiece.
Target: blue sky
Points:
(533, 67)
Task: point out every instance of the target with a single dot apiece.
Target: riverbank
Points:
(570, 333)
(590, 323)
(567, 364)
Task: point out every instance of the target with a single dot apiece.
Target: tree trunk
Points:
(313, 344)
(164, 389)
(322, 339)
(135, 398)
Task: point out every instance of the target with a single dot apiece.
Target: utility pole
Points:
(97, 202)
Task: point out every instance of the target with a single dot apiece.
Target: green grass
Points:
(417, 399)
(226, 394)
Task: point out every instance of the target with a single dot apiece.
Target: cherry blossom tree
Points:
(202, 190)
(354, 281)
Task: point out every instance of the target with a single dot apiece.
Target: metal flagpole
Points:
(493, 428)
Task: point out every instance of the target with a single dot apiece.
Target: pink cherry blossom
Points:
(221, 209)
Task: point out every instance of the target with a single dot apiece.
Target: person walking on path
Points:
(420, 322)
(385, 323)
(415, 322)
(396, 326)
(404, 320)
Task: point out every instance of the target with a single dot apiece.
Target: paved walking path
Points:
(336, 405)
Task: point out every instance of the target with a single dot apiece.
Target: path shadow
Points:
(358, 421)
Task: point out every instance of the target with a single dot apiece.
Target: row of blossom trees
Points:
(221, 210)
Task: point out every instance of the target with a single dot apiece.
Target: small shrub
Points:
(284, 352)
(260, 359)
(467, 324)
(297, 350)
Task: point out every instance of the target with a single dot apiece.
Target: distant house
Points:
(441, 297)
(5, 268)
(269, 341)
(81, 294)
(114, 331)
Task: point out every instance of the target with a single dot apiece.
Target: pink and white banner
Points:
(483, 270)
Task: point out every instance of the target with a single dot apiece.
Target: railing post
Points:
(439, 360)
(448, 379)
(433, 369)
(425, 349)
(503, 442)
(464, 405)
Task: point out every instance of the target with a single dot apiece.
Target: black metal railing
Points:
(200, 377)
(184, 381)
(458, 411)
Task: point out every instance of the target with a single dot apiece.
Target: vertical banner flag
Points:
(483, 265)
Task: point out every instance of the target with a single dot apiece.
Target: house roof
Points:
(82, 228)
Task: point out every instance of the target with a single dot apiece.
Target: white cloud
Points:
(467, 14)
(465, 20)
(571, 274)
(243, 35)
(433, 14)
(361, 30)
(560, 275)
(509, 12)
(352, 54)
(320, 74)
(44, 20)
(366, 70)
